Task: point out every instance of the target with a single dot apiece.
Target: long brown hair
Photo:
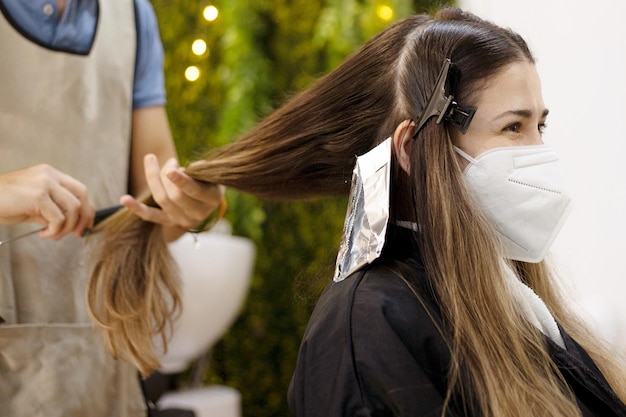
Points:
(308, 147)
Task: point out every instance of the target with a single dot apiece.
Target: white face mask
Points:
(522, 193)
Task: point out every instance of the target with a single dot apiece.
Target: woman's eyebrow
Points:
(523, 113)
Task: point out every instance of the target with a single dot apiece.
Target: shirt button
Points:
(48, 9)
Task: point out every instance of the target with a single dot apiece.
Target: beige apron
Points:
(73, 112)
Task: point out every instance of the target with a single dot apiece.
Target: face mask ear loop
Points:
(465, 155)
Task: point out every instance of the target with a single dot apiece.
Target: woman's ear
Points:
(402, 142)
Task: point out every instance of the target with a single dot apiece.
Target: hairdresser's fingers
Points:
(65, 216)
(187, 202)
(164, 192)
(176, 194)
(77, 211)
(85, 211)
(44, 195)
(205, 192)
(162, 213)
(152, 172)
(197, 198)
(145, 212)
(51, 216)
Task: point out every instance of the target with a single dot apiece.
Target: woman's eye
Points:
(542, 127)
(515, 127)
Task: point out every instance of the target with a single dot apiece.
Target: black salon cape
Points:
(372, 349)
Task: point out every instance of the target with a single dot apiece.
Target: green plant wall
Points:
(259, 53)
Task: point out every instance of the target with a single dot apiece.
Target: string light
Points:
(192, 73)
(384, 12)
(198, 47)
(210, 13)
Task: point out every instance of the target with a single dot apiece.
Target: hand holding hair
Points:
(180, 201)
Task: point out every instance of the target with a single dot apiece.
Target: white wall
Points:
(580, 48)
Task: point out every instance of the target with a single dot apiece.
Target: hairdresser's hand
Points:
(44, 195)
(183, 202)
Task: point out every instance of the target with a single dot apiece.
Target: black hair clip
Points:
(445, 108)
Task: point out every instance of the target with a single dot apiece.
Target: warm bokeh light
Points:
(210, 13)
(384, 12)
(198, 47)
(192, 73)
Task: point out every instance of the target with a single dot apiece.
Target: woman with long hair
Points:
(456, 313)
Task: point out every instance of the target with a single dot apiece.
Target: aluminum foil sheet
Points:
(368, 211)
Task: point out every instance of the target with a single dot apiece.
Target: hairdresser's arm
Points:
(44, 195)
(183, 201)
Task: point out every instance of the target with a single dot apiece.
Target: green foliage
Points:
(261, 52)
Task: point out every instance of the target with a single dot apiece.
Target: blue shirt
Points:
(74, 33)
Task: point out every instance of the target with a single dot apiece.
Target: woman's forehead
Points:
(516, 88)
